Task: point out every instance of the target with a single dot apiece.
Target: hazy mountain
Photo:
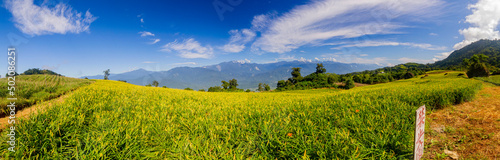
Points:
(249, 75)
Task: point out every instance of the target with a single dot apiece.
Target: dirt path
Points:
(26, 112)
(470, 130)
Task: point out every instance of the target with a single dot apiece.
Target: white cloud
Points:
(233, 48)
(389, 43)
(441, 56)
(484, 22)
(41, 20)
(243, 61)
(238, 40)
(155, 41)
(149, 62)
(326, 19)
(189, 48)
(146, 33)
(433, 34)
(142, 20)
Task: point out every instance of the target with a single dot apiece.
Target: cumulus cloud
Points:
(189, 48)
(390, 43)
(326, 19)
(37, 20)
(484, 22)
(149, 62)
(146, 33)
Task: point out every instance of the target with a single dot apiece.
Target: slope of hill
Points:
(31, 89)
(125, 121)
(490, 48)
(249, 75)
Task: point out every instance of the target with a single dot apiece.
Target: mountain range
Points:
(249, 75)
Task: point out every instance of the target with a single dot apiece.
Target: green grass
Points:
(31, 89)
(115, 120)
(492, 79)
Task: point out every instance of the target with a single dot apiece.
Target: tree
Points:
(148, 85)
(225, 84)
(267, 87)
(248, 90)
(188, 89)
(155, 83)
(215, 89)
(106, 74)
(260, 88)
(201, 90)
(86, 78)
(477, 66)
(320, 69)
(233, 83)
(349, 83)
(296, 76)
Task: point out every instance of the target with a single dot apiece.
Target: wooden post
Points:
(419, 133)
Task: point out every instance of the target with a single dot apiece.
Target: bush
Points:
(188, 89)
(478, 70)
(349, 84)
(408, 75)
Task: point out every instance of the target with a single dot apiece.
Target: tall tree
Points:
(267, 87)
(296, 77)
(260, 88)
(320, 68)
(233, 83)
(106, 74)
(225, 85)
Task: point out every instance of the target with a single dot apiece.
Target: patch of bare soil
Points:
(471, 129)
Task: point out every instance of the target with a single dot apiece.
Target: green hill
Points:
(491, 48)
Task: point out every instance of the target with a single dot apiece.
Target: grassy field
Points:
(492, 79)
(116, 120)
(31, 89)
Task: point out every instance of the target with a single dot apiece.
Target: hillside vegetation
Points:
(490, 48)
(116, 120)
(35, 88)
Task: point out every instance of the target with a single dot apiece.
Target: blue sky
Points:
(78, 38)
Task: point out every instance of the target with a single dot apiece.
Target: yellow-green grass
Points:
(116, 120)
(30, 89)
(492, 79)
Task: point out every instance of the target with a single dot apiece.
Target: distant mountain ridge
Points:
(249, 75)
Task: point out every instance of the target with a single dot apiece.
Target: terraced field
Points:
(116, 120)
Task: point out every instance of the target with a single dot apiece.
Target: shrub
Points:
(478, 70)
(349, 84)
(408, 75)
(188, 89)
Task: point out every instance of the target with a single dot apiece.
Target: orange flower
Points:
(357, 110)
(289, 134)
